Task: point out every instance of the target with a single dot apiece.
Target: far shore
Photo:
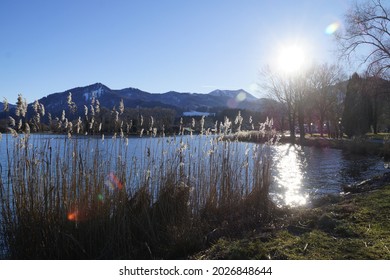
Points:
(378, 145)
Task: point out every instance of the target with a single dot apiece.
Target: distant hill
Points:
(133, 98)
(210, 103)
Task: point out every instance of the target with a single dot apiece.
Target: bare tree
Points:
(291, 91)
(367, 28)
(325, 81)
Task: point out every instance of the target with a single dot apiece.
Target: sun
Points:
(291, 58)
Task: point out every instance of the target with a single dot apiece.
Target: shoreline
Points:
(351, 226)
(363, 145)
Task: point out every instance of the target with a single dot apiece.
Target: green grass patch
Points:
(358, 227)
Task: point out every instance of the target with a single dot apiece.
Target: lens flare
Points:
(78, 213)
(73, 216)
(113, 181)
(100, 197)
(332, 28)
(241, 96)
(232, 103)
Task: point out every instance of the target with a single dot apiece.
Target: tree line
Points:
(318, 97)
(320, 101)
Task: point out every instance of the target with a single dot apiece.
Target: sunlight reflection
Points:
(289, 175)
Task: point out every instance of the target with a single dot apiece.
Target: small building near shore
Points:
(198, 114)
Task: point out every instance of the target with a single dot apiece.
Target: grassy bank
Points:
(355, 227)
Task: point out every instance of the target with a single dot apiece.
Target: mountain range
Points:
(133, 98)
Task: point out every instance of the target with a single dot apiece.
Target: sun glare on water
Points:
(291, 58)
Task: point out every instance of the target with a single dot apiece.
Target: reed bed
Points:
(78, 197)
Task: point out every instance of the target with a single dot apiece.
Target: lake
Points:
(301, 173)
(298, 173)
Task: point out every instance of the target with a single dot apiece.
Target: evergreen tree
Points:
(357, 116)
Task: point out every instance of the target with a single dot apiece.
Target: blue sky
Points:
(188, 46)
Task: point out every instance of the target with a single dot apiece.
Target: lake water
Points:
(298, 173)
(301, 173)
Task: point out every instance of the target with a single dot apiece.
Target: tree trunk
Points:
(375, 115)
(321, 126)
(301, 123)
(291, 123)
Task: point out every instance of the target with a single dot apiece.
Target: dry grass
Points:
(80, 197)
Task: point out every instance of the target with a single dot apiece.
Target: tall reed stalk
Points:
(77, 197)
